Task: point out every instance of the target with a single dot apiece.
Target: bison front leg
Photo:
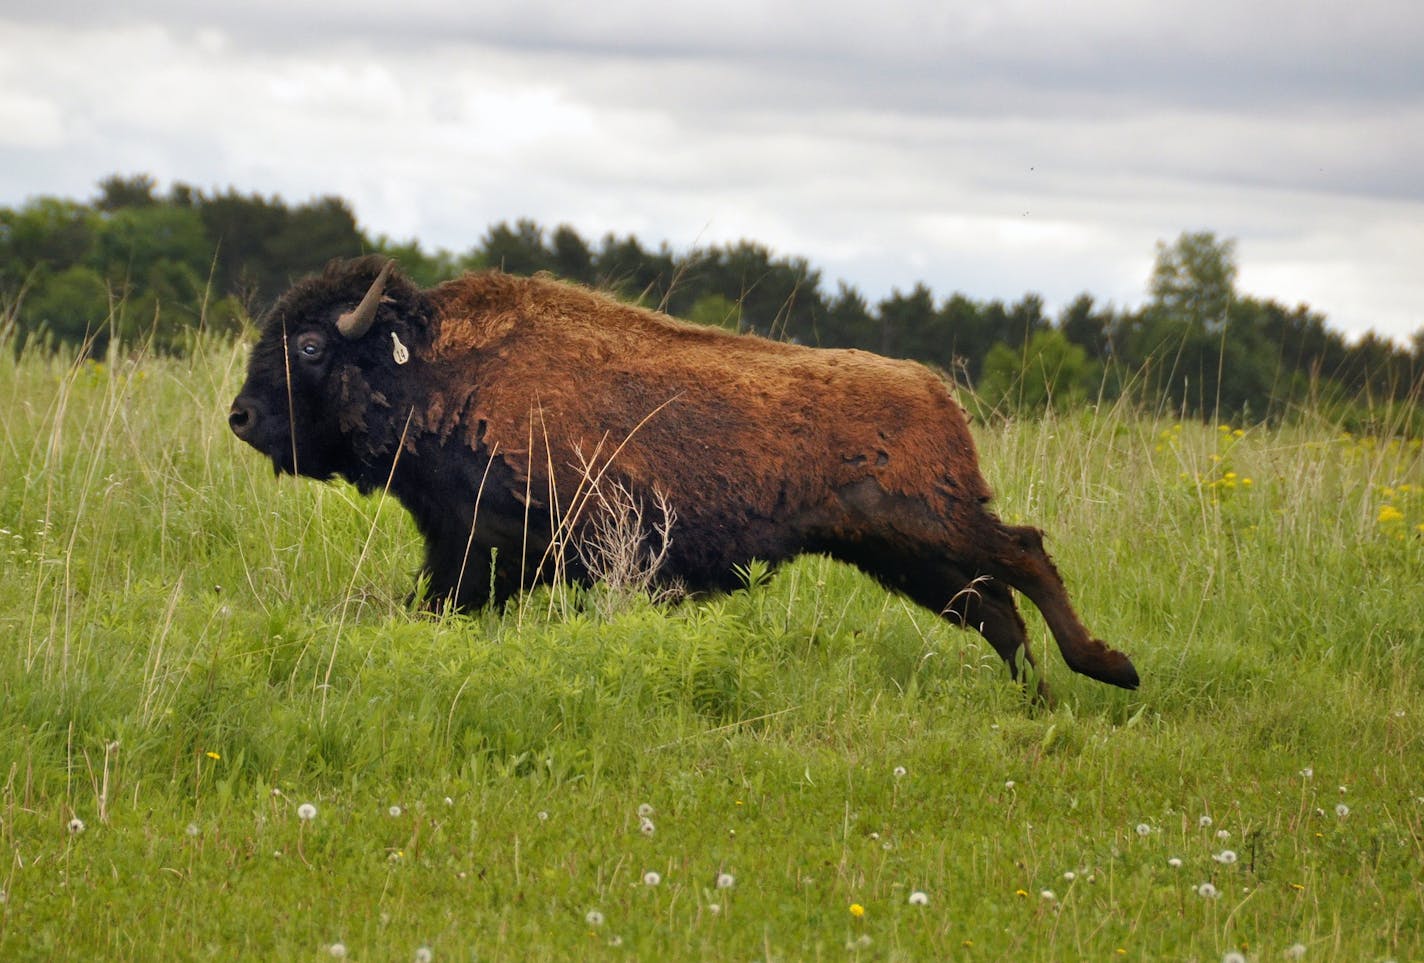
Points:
(455, 577)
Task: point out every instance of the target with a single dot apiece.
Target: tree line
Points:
(143, 267)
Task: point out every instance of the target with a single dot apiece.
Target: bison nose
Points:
(242, 418)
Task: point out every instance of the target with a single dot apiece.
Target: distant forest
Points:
(148, 269)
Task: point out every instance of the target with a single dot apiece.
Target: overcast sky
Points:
(990, 148)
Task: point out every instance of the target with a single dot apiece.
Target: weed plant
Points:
(225, 735)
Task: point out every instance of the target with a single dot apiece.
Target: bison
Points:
(493, 407)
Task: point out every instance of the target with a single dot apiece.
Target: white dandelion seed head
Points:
(1344, 789)
(645, 810)
(1222, 835)
(1048, 894)
(646, 827)
(593, 918)
(1070, 876)
(919, 898)
(1143, 829)
(899, 772)
(1175, 863)
(306, 812)
(714, 908)
(276, 793)
(542, 815)
(337, 950)
(651, 878)
(1207, 891)
(615, 941)
(423, 954)
(1226, 856)
(1008, 784)
(449, 801)
(1342, 810)
(1307, 773)
(75, 826)
(394, 811)
(1295, 951)
(1204, 822)
(726, 880)
(1233, 957)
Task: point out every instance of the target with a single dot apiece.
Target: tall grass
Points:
(196, 648)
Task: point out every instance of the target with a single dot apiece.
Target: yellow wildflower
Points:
(857, 910)
(1389, 514)
(212, 755)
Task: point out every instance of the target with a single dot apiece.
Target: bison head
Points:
(326, 387)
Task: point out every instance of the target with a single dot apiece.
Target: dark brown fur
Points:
(522, 395)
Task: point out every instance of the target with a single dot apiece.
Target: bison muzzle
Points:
(493, 407)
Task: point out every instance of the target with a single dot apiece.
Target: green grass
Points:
(193, 649)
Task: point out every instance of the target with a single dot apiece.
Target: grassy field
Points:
(197, 656)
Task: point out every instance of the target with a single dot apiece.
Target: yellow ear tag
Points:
(398, 350)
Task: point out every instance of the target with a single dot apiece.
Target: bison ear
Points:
(354, 324)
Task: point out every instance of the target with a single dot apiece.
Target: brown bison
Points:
(493, 407)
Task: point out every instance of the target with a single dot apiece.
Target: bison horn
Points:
(355, 324)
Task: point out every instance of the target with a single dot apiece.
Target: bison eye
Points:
(311, 345)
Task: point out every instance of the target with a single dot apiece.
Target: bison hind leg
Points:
(1022, 562)
(982, 604)
(988, 608)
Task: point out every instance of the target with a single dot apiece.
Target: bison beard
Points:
(496, 408)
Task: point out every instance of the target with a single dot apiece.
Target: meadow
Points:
(224, 733)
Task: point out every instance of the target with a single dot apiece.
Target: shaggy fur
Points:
(524, 397)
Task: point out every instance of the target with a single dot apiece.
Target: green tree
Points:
(45, 233)
(239, 228)
(120, 191)
(1193, 280)
(518, 249)
(907, 323)
(623, 265)
(848, 322)
(1049, 371)
(1084, 325)
(571, 257)
(779, 297)
(971, 333)
(69, 305)
(1024, 319)
(310, 235)
(130, 242)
